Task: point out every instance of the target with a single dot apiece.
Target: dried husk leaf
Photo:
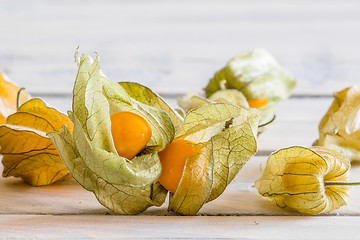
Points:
(226, 135)
(126, 187)
(27, 151)
(193, 100)
(339, 129)
(8, 98)
(298, 177)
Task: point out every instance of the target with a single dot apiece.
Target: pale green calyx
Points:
(256, 74)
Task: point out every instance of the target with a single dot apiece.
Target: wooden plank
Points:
(161, 227)
(69, 198)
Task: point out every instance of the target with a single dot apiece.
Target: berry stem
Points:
(267, 123)
(18, 97)
(334, 183)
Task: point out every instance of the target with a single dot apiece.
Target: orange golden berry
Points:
(172, 160)
(130, 133)
(257, 103)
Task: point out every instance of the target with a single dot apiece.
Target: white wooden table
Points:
(175, 47)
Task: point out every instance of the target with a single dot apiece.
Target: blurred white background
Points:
(176, 46)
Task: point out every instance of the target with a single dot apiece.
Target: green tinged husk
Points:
(308, 180)
(256, 74)
(225, 133)
(253, 75)
(127, 187)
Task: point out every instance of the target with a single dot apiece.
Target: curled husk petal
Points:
(298, 178)
(193, 100)
(339, 129)
(126, 187)
(226, 135)
(27, 151)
